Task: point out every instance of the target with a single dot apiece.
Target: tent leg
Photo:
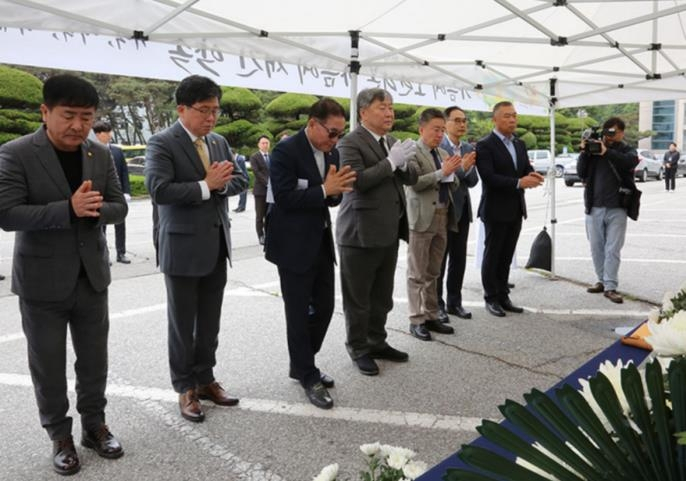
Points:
(553, 219)
(354, 71)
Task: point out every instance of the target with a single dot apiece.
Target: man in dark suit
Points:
(305, 182)
(103, 132)
(189, 175)
(371, 220)
(455, 257)
(57, 190)
(505, 172)
(259, 162)
(239, 159)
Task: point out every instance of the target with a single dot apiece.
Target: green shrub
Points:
(290, 105)
(6, 137)
(529, 140)
(137, 185)
(239, 102)
(402, 135)
(19, 89)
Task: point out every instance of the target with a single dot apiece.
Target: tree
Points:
(290, 105)
(240, 103)
(20, 96)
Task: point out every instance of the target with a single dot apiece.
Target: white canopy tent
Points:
(547, 53)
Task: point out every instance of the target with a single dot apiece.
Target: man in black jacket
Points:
(671, 164)
(603, 174)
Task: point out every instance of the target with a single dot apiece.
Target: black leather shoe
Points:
(65, 461)
(389, 353)
(2, 278)
(495, 309)
(443, 316)
(460, 312)
(239, 209)
(420, 332)
(508, 306)
(327, 380)
(596, 288)
(122, 259)
(510, 285)
(102, 441)
(319, 396)
(366, 365)
(437, 326)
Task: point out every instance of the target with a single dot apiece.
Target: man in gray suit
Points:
(455, 258)
(430, 215)
(57, 190)
(189, 175)
(371, 220)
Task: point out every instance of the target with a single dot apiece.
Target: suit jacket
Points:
(373, 214)
(188, 226)
(467, 179)
(261, 170)
(121, 168)
(299, 218)
(501, 200)
(423, 196)
(50, 247)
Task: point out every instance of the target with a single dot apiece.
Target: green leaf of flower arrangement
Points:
(633, 390)
(517, 446)
(579, 409)
(601, 468)
(677, 387)
(661, 417)
(496, 464)
(606, 397)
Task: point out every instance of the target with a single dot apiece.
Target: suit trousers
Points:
(670, 177)
(194, 307)
(455, 259)
(424, 256)
(308, 299)
(119, 237)
(499, 247)
(45, 324)
(367, 275)
(260, 214)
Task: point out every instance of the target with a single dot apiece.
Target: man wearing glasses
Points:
(306, 181)
(455, 258)
(603, 174)
(189, 174)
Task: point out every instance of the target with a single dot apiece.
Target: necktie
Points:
(202, 152)
(266, 159)
(443, 190)
(382, 143)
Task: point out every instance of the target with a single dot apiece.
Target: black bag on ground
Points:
(541, 253)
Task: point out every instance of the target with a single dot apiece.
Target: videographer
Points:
(605, 218)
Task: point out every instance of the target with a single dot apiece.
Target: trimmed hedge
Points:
(19, 89)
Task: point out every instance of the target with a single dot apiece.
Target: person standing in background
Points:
(239, 159)
(671, 165)
(259, 161)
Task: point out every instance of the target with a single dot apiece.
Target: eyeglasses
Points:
(206, 112)
(333, 133)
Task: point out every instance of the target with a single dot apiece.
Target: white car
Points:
(541, 160)
(648, 166)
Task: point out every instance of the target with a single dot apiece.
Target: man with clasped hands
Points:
(605, 218)
(371, 220)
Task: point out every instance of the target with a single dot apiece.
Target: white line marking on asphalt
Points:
(629, 259)
(377, 416)
(11, 337)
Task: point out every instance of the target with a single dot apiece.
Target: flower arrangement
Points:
(625, 424)
(384, 463)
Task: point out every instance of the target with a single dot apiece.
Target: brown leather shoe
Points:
(614, 296)
(596, 288)
(65, 461)
(190, 406)
(216, 393)
(102, 441)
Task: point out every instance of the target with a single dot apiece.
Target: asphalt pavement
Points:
(431, 404)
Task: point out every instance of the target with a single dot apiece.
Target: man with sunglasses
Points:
(189, 174)
(306, 181)
(605, 218)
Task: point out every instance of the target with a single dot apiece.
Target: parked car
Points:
(135, 157)
(648, 166)
(569, 165)
(541, 160)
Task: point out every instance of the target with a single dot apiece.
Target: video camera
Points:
(593, 144)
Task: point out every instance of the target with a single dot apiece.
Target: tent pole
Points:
(354, 71)
(553, 219)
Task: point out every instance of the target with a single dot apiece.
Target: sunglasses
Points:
(333, 133)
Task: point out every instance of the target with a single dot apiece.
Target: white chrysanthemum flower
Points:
(328, 473)
(396, 460)
(414, 469)
(668, 338)
(371, 449)
(387, 450)
(667, 301)
(654, 315)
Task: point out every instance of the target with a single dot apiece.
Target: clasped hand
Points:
(219, 174)
(451, 164)
(533, 179)
(85, 201)
(401, 152)
(338, 182)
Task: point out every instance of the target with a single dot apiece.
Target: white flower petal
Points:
(328, 473)
(414, 469)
